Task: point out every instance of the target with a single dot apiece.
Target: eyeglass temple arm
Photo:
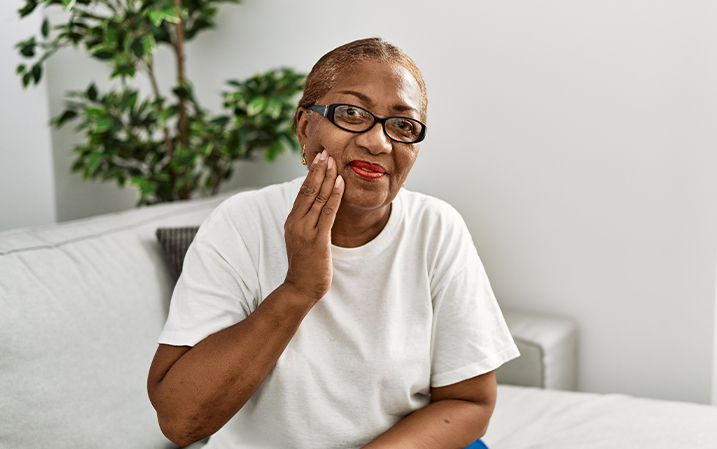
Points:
(323, 110)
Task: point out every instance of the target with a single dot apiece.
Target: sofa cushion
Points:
(174, 243)
(529, 418)
(82, 305)
(548, 351)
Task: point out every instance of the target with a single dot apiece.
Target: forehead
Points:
(377, 84)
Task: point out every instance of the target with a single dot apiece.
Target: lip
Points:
(367, 170)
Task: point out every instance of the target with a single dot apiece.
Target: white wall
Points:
(27, 192)
(576, 138)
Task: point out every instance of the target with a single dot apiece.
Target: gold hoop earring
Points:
(303, 155)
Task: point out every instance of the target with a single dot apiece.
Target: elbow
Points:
(483, 414)
(482, 429)
(481, 421)
(179, 434)
(180, 428)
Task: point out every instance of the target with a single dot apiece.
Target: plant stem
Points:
(182, 123)
(179, 50)
(87, 15)
(219, 170)
(165, 130)
(158, 97)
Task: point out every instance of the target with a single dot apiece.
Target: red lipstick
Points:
(367, 170)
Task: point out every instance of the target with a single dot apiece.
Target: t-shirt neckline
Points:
(380, 242)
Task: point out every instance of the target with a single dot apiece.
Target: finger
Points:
(328, 212)
(327, 187)
(312, 184)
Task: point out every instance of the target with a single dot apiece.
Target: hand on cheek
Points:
(308, 229)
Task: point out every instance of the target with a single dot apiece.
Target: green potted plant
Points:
(163, 143)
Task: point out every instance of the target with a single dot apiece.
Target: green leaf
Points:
(165, 115)
(124, 70)
(26, 79)
(27, 9)
(45, 29)
(274, 150)
(93, 161)
(110, 35)
(229, 172)
(69, 114)
(36, 73)
(148, 46)
(132, 99)
(168, 14)
(27, 48)
(103, 52)
(207, 148)
(103, 124)
(95, 112)
(20, 69)
(256, 106)
(77, 165)
(183, 91)
(137, 48)
(92, 92)
(273, 108)
(68, 4)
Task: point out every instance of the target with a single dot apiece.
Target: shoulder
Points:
(430, 214)
(440, 233)
(251, 210)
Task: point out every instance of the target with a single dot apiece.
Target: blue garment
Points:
(477, 444)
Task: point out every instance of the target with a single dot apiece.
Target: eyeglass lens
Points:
(352, 118)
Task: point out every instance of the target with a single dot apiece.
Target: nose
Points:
(375, 140)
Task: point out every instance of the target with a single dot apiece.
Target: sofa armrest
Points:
(548, 347)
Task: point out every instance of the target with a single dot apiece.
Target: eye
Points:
(403, 127)
(404, 124)
(347, 114)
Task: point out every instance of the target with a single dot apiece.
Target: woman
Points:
(340, 310)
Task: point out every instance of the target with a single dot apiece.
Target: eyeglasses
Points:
(358, 120)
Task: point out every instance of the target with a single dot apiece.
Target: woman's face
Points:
(386, 90)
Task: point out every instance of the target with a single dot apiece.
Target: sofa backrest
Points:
(81, 306)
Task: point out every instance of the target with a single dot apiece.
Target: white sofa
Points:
(82, 303)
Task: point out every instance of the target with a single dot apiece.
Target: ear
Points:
(302, 124)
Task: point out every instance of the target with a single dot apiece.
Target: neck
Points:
(353, 228)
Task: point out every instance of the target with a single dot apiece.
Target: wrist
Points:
(298, 296)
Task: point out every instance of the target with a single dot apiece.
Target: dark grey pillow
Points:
(174, 243)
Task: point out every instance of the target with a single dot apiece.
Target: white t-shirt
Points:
(410, 310)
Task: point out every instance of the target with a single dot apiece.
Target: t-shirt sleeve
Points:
(470, 336)
(217, 287)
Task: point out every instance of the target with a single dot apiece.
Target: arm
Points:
(197, 390)
(457, 416)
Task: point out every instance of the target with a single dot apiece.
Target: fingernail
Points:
(316, 159)
(339, 180)
(331, 162)
(324, 155)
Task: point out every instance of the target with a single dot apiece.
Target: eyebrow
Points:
(365, 99)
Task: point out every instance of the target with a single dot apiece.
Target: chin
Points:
(365, 199)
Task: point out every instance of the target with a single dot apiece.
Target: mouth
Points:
(367, 170)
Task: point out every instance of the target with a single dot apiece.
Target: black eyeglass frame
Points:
(328, 112)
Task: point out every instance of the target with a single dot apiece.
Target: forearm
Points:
(213, 380)
(445, 424)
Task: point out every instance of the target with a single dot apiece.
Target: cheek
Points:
(406, 161)
(327, 138)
